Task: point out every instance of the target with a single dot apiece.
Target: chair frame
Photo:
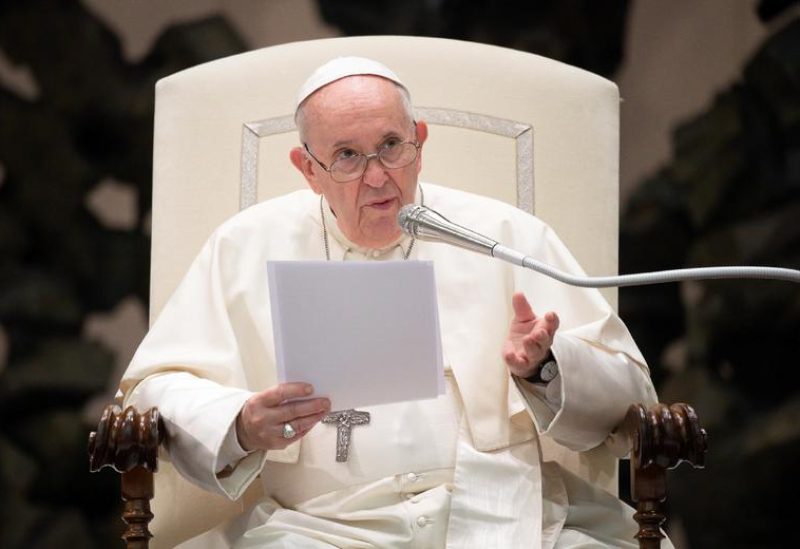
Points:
(662, 437)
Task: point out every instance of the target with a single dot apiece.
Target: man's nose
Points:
(374, 172)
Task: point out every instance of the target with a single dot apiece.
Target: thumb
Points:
(523, 312)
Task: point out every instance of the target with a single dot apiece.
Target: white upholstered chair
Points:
(515, 126)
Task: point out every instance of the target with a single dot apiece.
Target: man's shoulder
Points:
(288, 210)
(465, 207)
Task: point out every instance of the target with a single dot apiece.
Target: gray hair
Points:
(302, 124)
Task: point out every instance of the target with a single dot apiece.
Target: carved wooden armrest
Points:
(128, 441)
(663, 437)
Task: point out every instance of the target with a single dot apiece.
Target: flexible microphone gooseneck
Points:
(426, 224)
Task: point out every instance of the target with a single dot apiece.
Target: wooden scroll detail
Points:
(128, 441)
(663, 437)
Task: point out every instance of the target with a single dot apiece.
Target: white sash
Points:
(496, 500)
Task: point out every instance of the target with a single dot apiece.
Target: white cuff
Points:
(231, 452)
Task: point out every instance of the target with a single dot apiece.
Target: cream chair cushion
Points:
(515, 126)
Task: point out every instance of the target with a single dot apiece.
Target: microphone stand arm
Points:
(657, 277)
(427, 224)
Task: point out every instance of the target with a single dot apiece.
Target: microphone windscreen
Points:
(406, 215)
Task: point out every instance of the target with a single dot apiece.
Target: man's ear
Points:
(422, 131)
(422, 135)
(303, 163)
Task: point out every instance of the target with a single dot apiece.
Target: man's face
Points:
(360, 114)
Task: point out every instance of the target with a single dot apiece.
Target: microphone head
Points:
(425, 224)
(407, 216)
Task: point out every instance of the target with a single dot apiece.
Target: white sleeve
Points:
(231, 452)
(548, 393)
(597, 387)
(198, 415)
(601, 370)
(190, 367)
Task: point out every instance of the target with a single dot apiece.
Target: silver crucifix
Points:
(345, 420)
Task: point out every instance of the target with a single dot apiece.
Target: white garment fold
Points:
(212, 346)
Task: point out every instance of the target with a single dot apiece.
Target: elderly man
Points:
(462, 470)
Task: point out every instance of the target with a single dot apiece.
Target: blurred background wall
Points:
(710, 175)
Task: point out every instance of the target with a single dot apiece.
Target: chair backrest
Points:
(515, 126)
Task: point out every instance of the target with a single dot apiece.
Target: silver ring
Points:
(288, 430)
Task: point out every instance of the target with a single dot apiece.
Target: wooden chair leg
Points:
(137, 491)
(128, 443)
(663, 438)
(649, 487)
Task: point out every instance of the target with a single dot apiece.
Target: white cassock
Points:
(476, 467)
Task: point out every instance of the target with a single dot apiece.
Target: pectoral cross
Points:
(345, 420)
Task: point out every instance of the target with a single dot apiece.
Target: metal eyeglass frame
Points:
(367, 158)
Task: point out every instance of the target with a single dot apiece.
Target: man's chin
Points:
(381, 234)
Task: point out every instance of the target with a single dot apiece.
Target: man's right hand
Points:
(259, 425)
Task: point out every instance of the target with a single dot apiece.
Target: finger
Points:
(552, 322)
(276, 440)
(301, 426)
(536, 345)
(302, 408)
(305, 424)
(284, 391)
(515, 360)
(511, 356)
(522, 309)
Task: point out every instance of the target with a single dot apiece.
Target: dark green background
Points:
(730, 195)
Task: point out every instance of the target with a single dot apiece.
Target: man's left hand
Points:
(529, 337)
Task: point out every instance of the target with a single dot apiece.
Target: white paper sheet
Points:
(362, 333)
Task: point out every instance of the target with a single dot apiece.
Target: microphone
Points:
(426, 224)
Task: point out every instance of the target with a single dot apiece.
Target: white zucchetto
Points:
(342, 67)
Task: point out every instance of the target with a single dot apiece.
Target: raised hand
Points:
(529, 337)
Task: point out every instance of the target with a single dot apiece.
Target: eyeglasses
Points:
(349, 165)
